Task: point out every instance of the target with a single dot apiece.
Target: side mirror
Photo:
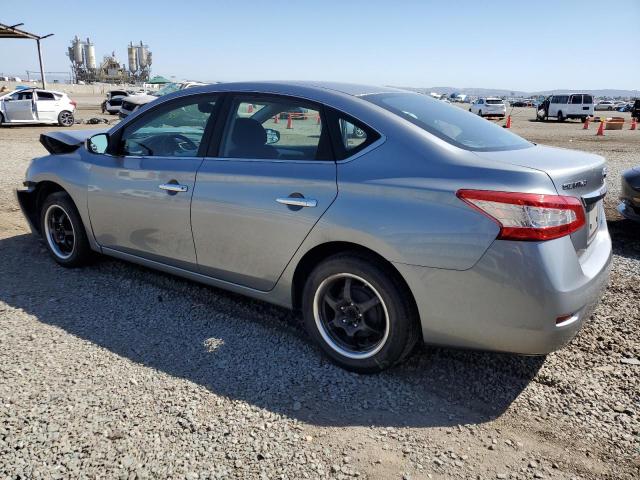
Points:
(273, 136)
(98, 143)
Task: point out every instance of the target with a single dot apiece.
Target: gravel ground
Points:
(116, 371)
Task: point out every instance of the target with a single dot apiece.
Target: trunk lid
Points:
(573, 173)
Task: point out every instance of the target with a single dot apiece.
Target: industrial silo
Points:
(90, 55)
(132, 53)
(77, 51)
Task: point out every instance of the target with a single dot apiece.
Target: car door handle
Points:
(297, 201)
(173, 187)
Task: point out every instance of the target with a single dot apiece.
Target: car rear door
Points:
(266, 182)
(140, 193)
(46, 106)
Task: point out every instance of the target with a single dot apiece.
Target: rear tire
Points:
(480, 113)
(65, 118)
(359, 313)
(63, 231)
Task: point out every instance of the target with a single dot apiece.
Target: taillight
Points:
(528, 216)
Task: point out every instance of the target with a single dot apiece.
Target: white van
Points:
(566, 105)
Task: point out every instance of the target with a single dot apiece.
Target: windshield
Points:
(450, 123)
(167, 89)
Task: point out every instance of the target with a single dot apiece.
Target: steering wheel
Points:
(178, 143)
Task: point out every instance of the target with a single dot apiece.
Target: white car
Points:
(488, 107)
(32, 105)
(605, 105)
(113, 101)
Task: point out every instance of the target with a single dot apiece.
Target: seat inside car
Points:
(249, 140)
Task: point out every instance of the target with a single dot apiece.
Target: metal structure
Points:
(82, 55)
(10, 31)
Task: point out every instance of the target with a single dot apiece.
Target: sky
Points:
(527, 46)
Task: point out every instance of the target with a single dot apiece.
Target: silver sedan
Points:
(387, 217)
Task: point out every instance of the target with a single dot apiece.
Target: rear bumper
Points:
(510, 300)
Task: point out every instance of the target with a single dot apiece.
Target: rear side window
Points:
(576, 99)
(274, 128)
(588, 99)
(452, 124)
(46, 96)
(351, 136)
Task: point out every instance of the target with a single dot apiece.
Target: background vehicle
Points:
(630, 195)
(635, 110)
(32, 105)
(314, 217)
(487, 107)
(113, 102)
(134, 102)
(564, 106)
(605, 105)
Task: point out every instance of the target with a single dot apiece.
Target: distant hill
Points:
(498, 92)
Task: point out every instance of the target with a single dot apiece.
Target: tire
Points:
(560, 117)
(1, 120)
(63, 232)
(378, 313)
(65, 118)
(480, 113)
(583, 119)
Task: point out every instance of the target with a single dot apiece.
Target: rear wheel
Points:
(480, 112)
(359, 314)
(65, 118)
(63, 231)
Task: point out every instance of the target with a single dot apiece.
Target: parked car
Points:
(629, 206)
(297, 113)
(134, 102)
(605, 105)
(488, 107)
(564, 106)
(471, 237)
(113, 102)
(635, 110)
(33, 105)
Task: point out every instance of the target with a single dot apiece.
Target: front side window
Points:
(173, 130)
(452, 124)
(274, 128)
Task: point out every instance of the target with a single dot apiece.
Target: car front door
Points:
(260, 194)
(140, 192)
(19, 107)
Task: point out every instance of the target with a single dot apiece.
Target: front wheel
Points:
(359, 314)
(63, 231)
(480, 113)
(65, 118)
(561, 117)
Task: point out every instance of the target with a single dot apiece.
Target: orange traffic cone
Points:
(585, 126)
(289, 122)
(275, 118)
(250, 108)
(508, 125)
(634, 124)
(600, 131)
(318, 120)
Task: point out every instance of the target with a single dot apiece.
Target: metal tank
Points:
(77, 51)
(142, 55)
(90, 55)
(133, 57)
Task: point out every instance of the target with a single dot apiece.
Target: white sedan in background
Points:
(488, 107)
(32, 105)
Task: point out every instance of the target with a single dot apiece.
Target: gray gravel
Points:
(115, 371)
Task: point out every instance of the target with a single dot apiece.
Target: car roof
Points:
(351, 89)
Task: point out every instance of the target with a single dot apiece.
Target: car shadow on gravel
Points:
(248, 350)
(625, 237)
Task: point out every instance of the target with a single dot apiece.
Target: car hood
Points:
(141, 99)
(66, 141)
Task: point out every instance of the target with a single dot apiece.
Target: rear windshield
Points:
(493, 101)
(450, 123)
